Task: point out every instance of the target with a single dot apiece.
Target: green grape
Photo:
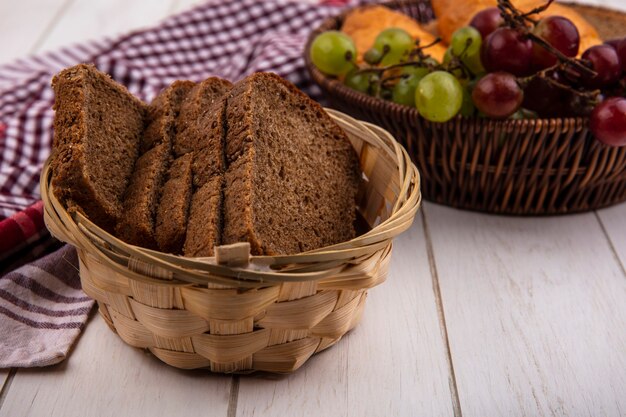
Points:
(468, 109)
(518, 115)
(396, 42)
(360, 81)
(466, 41)
(523, 114)
(474, 64)
(372, 56)
(404, 90)
(333, 52)
(412, 70)
(529, 114)
(439, 96)
(447, 58)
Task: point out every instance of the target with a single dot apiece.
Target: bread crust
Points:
(97, 128)
(292, 174)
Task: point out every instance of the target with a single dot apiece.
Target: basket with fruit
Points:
(522, 111)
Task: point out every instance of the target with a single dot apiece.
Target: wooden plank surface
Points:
(614, 4)
(614, 223)
(25, 23)
(535, 313)
(182, 5)
(105, 377)
(93, 19)
(4, 375)
(393, 364)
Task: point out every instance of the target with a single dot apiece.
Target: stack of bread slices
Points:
(204, 164)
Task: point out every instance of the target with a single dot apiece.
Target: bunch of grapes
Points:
(505, 64)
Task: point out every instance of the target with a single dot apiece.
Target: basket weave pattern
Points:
(242, 314)
(542, 166)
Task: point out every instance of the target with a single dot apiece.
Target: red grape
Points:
(507, 50)
(559, 32)
(487, 20)
(608, 121)
(498, 95)
(621, 53)
(543, 97)
(605, 62)
(613, 42)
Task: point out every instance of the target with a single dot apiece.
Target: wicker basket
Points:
(543, 166)
(236, 313)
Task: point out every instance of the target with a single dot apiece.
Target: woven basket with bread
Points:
(539, 153)
(236, 228)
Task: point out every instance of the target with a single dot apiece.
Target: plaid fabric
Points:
(230, 39)
(43, 310)
(24, 238)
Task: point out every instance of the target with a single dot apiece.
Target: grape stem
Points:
(543, 74)
(537, 10)
(457, 62)
(418, 63)
(419, 50)
(514, 19)
(386, 50)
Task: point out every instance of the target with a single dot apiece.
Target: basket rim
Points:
(578, 123)
(146, 264)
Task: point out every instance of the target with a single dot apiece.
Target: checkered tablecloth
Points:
(40, 302)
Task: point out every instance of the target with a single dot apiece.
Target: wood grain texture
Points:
(4, 375)
(105, 377)
(182, 5)
(392, 364)
(614, 223)
(535, 313)
(24, 24)
(614, 4)
(93, 19)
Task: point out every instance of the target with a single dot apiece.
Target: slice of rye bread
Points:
(142, 197)
(204, 228)
(97, 131)
(209, 160)
(136, 226)
(162, 115)
(196, 111)
(205, 220)
(171, 218)
(292, 173)
(201, 131)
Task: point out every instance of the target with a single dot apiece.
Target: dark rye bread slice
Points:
(136, 225)
(142, 198)
(162, 115)
(171, 219)
(197, 113)
(292, 176)
(201, 131)
(97, 131)
(204, 229)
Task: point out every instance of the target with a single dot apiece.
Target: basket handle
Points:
(236, 254)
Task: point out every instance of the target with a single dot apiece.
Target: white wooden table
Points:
(481, 315)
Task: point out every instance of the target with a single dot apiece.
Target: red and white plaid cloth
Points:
(41, 306)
